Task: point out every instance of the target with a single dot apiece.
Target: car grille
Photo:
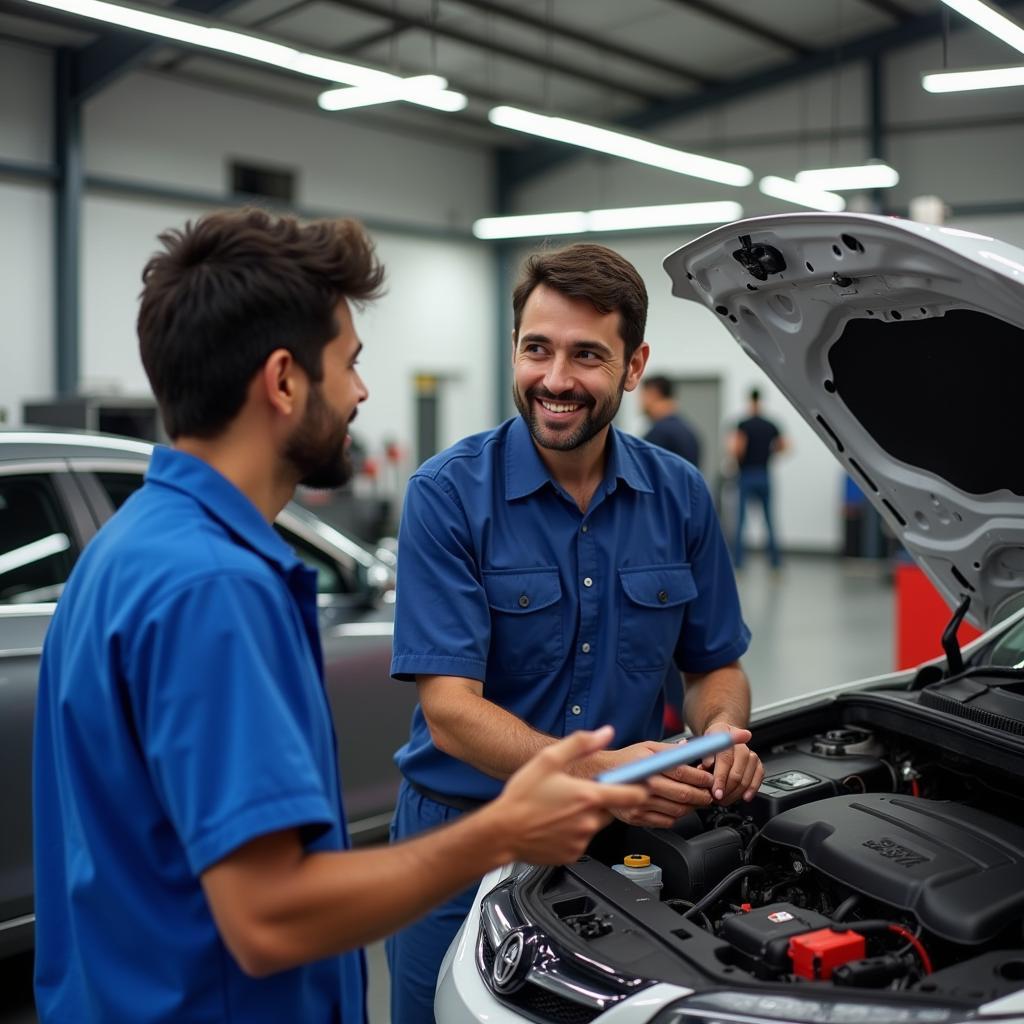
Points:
(533, 1001)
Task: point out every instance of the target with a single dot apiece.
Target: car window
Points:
(329, 576)
(36, 546)
(119, 487)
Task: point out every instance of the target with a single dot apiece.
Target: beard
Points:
(599, 413)
(317, 449)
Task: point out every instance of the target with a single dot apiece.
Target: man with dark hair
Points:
(753, 444)
(192, 859)
(669, 429)
(551, 570)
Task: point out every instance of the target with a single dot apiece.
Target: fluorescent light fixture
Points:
(991, 20)
(207, 35)
(627, 218)
(976, 78)
(427, 90)
(603, 140)
(845, 179)
(801, 195)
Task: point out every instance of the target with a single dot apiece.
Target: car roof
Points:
(58, 444)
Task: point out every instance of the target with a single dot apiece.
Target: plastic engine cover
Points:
(956, 868)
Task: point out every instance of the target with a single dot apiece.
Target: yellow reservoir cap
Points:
(637, 860)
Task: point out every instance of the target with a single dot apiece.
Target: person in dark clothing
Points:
(753, 443)
(669, 429)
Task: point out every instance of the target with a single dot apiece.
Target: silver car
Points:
(56, 490)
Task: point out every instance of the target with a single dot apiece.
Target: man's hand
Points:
(737, 771)
(549, 815)
(670, 795)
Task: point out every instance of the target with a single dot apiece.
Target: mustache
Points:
(575, 397)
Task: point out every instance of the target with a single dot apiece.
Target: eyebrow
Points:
(586, 344)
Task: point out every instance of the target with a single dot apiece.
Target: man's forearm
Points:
(722, 695)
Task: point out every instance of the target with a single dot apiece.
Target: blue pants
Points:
(755, 486)
(416, 952)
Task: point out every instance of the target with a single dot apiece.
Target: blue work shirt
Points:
(569, 620)
(181, 713)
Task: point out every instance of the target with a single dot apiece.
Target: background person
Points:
(550, 571)
(190, 849)
(669, 429)
(752, 444)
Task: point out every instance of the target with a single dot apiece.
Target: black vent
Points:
(265, 182)
(999, 706)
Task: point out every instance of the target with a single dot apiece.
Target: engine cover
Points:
(956, 868)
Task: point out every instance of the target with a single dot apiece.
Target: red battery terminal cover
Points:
(816, 954)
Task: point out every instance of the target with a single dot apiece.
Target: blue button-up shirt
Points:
(570, 620)
(181, 713)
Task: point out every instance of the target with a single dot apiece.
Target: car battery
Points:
(816, 954)
(762, 936)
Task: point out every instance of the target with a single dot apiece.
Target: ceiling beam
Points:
(516, 166)
(538, 60)
(891, 8)
(105, 60)
(606, 46)
(744, 24)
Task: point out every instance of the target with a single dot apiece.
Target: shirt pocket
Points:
(526, 620)
(653, 602)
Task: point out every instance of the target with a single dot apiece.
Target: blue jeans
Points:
(755, 486)
(415, 953)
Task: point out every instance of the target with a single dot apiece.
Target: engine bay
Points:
(869, 859)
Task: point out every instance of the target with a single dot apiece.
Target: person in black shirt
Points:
(669, 429)
(753, 443)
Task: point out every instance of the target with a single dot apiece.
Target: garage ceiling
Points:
(636, 63)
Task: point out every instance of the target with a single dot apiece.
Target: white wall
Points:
(26, 231)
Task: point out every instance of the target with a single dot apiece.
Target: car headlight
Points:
(759, 1008)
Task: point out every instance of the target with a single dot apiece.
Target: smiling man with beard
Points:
(192, 860)
(550, 572)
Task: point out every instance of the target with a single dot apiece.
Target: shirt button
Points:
(662, 596)
(587, 581)
(584, 528)
(576, 709)
(524, 601)
(585, 648)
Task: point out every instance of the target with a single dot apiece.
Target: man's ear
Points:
(637, 363)
(515, 341)
(279, 381)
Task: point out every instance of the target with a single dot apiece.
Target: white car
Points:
(878, 875)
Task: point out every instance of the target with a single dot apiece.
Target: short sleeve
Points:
(714, 633)
(442, 621)
(225, 698)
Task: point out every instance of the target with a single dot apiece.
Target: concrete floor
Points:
(816, 623)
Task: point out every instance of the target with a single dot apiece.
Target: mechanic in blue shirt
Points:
(191, 851)
(550, 572)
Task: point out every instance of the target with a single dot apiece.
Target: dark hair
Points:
(755, 395)
(605, 279)
(230, 288)
(658, 383)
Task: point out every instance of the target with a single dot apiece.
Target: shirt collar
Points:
(525, 472)
(223, 501)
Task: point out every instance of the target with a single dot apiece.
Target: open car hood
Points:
(902, 345)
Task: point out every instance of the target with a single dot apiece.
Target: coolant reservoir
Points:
(637, 867)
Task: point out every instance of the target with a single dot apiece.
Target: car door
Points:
(371, 712)
(44, 524)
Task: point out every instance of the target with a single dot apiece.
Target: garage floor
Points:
(816, 623)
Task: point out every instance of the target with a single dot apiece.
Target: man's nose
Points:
(559, 377)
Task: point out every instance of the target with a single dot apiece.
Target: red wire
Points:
(915, 789)
(926, 960)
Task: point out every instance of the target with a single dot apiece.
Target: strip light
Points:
(991, 20)
(977, 78)
(846, 179)
(603, 140)
(426, 90)
(801, 195)
(208, 35)
(626, 218)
